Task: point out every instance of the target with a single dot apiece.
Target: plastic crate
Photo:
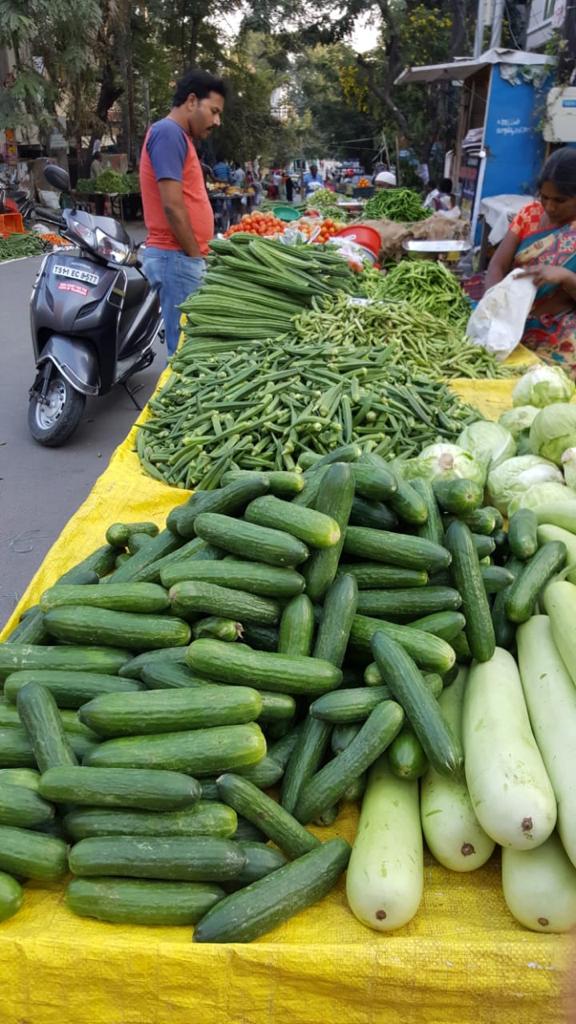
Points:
(11, 224)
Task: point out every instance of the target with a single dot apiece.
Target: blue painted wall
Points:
(513, 139)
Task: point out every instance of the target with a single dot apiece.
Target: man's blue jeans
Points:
(175, 276)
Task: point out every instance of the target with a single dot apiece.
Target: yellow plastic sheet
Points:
(462, 960)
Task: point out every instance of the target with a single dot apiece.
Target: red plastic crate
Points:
(11, 224)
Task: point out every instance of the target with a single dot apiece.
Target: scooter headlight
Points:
(110, 248)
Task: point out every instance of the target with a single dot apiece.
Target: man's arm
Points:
(177, 216)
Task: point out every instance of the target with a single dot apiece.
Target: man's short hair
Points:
(199, 82)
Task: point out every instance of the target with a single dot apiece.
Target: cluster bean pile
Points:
(261, 407)
(425, 284)
(342, 635)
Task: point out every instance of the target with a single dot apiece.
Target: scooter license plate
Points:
(75, 274)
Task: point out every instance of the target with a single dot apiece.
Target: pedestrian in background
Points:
(177, 211)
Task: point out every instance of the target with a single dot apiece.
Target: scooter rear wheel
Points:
(53, 420)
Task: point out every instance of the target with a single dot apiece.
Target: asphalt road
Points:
(40, 488)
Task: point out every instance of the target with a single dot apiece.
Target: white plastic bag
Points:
(497, 324)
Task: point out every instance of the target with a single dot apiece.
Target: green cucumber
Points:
(252, 577)
(77, 625)
(276, 707)
(310, 461)
(171, 676)
(374, 483)
(281, 750)
(374, 514)
(218, 628)
(121, 559)
(306, 757)
(334, 500)
(485, 546)
(342, 736)
(167, 655)
(504, 630)
(264, 904)
(296, 633)
(228, 501)
(340, 603)
(433, 528)
(137, 541)
(373, 678)
(20, 777)
(157, 711)
(375, 576)
(16, 657)
(406, 756)
(196, 752)
(140, 901)
(277, 823)
(326, 787)
(428, 651)
(202, 819)
(32, 854)
(409, 688)
(461, 649)
(446, 625)
(192, 598)
(196, 550)
(261, 638)
(356, 789)
(259, 543)
(496, 578)
(345, 706)
(529, 583)
(21, 806)
(483, 520)
(395, 549)
(69, 689)
(407, 503)
(467, 576)
(265, 774)
(282, 483)
(522, 534)
(11, 896)
(237, 664)
(246, 831)
(145, 789)
(164, 544)
(176, 858)
(459, 497)
(315, 529)
(123, 597)
(30, 629)
(41, 719)
(118, 534)
(403, 605)
(261, 860)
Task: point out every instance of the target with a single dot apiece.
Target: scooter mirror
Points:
(57, 177)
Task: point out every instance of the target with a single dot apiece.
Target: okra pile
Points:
(183, 698)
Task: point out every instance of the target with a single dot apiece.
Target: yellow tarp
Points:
(463, 960)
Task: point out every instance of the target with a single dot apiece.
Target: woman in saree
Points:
(541, 241)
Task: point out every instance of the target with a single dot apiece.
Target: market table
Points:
(463, 959)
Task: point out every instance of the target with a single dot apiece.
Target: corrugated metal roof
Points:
(460, 69)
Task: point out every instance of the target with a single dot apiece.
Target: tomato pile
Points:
(328, 228)
(257, 224)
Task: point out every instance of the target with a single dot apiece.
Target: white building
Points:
(546, 16)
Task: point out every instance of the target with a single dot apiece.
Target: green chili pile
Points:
(425, 284)
(399, 204)
(411, 337)
(15, 246)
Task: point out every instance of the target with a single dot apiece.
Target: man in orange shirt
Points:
(177, 211)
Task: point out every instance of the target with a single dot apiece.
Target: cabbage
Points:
(540, 494)
(553, 431)
(543, 385)
(444, 461)
(569, 466)
(489, 443)
(518, 474)
(519, 419)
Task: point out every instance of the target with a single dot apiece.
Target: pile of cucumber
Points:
(183, 705)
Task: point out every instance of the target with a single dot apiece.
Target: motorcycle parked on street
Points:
(94, 320)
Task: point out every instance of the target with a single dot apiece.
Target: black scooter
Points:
(94, 319)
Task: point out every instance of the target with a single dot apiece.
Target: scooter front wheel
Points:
(54, 417)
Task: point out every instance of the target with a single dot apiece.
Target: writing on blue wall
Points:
(513, 139)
